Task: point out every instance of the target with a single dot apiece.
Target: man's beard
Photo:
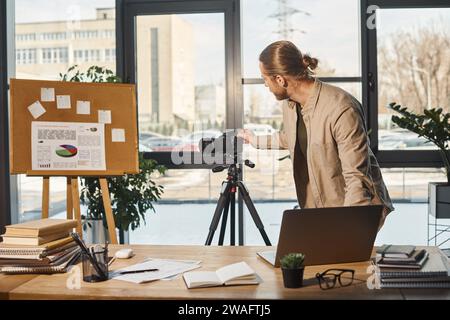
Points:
(282, 95)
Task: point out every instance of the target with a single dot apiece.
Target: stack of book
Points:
(411, 267)
(40, 246)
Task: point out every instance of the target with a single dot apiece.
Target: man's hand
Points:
(247, 135)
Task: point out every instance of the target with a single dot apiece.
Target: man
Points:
(324, 131)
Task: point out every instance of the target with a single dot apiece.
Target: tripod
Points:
(227, 201)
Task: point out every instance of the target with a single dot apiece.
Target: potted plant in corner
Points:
(434, 126)
(292, 268)
(132, 195)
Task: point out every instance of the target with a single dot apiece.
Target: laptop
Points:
(327, 235)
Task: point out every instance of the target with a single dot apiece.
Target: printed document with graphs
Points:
(234, 274)
(67, 146)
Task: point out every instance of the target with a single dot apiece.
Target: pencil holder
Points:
(95, 265)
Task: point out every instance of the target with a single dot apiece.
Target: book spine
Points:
(415, 285)
(39, 270)
(390, 275)
(21, 252)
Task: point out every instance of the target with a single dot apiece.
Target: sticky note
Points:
(48, 94)
(104, 116)
(118, 135)
(63, 102)
(83, 107)
(36, 109)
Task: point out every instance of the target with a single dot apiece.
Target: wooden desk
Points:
(8, 283)
(54, 286)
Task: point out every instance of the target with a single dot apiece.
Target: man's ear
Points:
(281, 81)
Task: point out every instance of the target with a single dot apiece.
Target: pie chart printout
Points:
(66, 151)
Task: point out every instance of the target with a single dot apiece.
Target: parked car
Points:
(191, 141)
(144, 148)
(162, 143)
(260, 129)
(149, 134)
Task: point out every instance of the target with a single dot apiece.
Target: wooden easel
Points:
(73, 202)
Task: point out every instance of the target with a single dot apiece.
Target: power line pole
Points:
(284, 14)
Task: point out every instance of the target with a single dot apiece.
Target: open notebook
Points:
(234, 274)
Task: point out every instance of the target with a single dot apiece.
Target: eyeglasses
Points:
(327, 279)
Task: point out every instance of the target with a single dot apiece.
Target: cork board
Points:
(120, 99)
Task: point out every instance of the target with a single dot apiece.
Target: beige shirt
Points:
(339, 165)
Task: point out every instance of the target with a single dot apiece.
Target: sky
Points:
(331, 30)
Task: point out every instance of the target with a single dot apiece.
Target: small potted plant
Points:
(293, 268)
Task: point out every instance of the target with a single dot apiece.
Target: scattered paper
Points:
(63, 102)
(166, 268)
(67, 146)
(48, 94)
(83, 107)
(104, 116)
(118, 135)
(36, 109)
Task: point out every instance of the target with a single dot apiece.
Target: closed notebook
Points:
(235, 274)
(39, 228)
(70, 260)
(34, 241)
(53, 259)
(437, 265)
(416, 261)
(23, 251)
(395, 251)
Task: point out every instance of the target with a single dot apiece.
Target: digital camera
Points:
(227, 147)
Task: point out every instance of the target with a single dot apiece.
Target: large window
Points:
(47, 42)
(405, 60)
(413, 69)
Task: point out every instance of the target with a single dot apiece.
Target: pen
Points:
(137, 271)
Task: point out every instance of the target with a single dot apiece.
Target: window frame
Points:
(389, 158)
(5, 192)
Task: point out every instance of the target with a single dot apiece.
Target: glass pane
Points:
(413, 64)
(180, 80)
(51, 36)
(411, 184)
(327, 29)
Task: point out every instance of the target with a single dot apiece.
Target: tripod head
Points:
(233, 167)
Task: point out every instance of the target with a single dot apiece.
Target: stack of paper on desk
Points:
(166, 268)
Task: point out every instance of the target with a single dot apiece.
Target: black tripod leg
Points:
(224, 220)
(232, 218)
(219, 208)
(251, 208)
